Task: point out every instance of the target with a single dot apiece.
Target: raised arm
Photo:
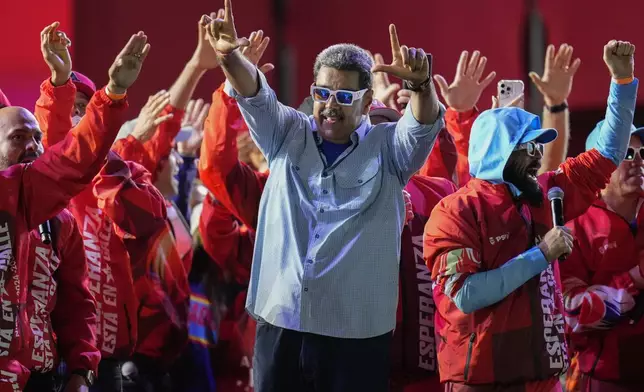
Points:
(583, 176)
(268, 120)
(57, 93)
(555, 86)
(233, 184)
(461, 98)
(416, 131)
(66, 168)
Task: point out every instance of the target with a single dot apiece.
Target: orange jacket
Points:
(59, 174)
(61, 308)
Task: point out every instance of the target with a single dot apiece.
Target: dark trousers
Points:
(286, 360)
(44, 382)
(109, 376)
(150, 376)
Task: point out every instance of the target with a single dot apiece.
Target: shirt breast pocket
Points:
(357, 187)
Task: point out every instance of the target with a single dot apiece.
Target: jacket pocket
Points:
(468, 357)
(359, 185)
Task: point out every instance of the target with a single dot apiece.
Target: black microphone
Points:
(556, 195)
(44, 230)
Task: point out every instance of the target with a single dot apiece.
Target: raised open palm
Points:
(54, 47)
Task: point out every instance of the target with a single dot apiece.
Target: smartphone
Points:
(508, 91)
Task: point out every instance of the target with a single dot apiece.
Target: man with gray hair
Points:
(324, 280)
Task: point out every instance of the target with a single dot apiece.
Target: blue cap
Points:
(591, 140)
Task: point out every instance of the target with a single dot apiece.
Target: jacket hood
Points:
(496, 133)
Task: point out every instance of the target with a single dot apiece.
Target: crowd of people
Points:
(374, 239)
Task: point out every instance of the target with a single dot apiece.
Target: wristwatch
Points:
(88, 375)
(557, 108)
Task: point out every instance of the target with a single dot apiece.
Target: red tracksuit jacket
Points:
(120, 204)
(33, 193)
(521, 338)
(163, 260)
(61, 308)
(600, 296)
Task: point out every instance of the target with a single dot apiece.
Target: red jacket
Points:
(599, 295)
(448, 158)
(480, 227)
(122, 203)
(61, 308)
(413, 352)
(60, 173)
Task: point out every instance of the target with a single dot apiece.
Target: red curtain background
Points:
(496, 27)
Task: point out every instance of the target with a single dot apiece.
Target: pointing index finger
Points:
(395, 44)
(228, 11)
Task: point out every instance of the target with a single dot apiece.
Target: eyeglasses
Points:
(630, 153)
(343, 97)
(531, 147)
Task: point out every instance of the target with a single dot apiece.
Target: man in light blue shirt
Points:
(324, 281)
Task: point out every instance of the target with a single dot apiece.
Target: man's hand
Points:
(255, 50)
(149, 119)
(557, 242)
(383, 90)
(222, 34)
(76, 383)
(195, 116)
(54, 47)
(204, 57)
(463, 94)
(408, 64)
(619, 58)
(558, 72)
(127, 66)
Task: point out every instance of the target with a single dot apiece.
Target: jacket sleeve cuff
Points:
(57, 92)
(452, 115)
(262, 96)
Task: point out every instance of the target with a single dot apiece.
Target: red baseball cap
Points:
(83, 84)
(380, 109)
(4, 100)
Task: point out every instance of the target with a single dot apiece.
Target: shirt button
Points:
(297, 168)
(359, 181)
(321, 210)
(306, 289)
(325, 191)
(324, 174)
(316, 236)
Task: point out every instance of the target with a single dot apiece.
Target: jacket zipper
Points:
(470, 346)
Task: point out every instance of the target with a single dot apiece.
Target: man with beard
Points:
(325, 270)
(493, 255)
(602, 280)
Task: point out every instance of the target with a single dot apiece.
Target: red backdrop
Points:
(496, 27)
